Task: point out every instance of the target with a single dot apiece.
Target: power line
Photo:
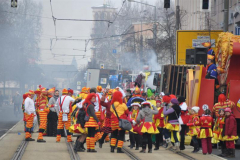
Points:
(26, 14)
(112, 21)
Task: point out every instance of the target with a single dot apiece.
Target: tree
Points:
(20, 34)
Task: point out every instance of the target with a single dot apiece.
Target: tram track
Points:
(74, 155)
(130, 154)
(183, 155)
(20, 151)
(21, 148)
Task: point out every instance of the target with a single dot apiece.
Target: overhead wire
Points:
(112, 21)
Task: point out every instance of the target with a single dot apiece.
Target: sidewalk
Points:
(10, 141)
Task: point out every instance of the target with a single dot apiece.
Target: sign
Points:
(78, 87)
(114, 51)
(197, 43)
(103, 81)
(189, 39)
(79, 83)
(205, 107)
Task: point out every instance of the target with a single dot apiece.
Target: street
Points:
(7, 118)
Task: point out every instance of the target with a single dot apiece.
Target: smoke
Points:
(154, 68)
(131, 61)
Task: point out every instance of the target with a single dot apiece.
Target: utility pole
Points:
(226, 14)
(177, 16)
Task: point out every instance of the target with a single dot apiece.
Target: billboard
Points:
(190, 39)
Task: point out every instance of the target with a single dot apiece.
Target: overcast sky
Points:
(78, 9)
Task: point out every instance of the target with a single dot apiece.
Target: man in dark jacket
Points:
(230, 132)
(138, 81)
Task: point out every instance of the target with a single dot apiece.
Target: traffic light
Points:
(166, 3)
(14, 3)
(205, 4)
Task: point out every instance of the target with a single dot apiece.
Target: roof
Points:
(59, 71)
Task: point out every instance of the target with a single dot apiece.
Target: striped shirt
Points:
(227, 104)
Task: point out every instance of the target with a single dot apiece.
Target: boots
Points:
(112, 149)
(177, 147)
(41, 140)
(149, 150)
(231, 153)
(143, 151)
(224, 152)
(196, 148)
(119, 150)
(169, 144)
(76, 146)
(29, 139)
(82, 146)
(79, 147)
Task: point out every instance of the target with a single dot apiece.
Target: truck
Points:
(189, 80)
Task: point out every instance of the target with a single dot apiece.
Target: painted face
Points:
(221, 113)
(227, 113)
(209, 61)
(135, 107)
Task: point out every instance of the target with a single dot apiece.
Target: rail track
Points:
(184, 155)
(20, 151)
(130, 154)
(74, 155)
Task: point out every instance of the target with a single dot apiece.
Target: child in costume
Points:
(194, 127)
(148, 127)
(205, 134)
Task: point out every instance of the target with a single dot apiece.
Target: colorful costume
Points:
(206, 134)
(230, 133)
(222, 104)
(43, 111)
(64, 114)
(158, 119)
(29, 116)
(122, 111)
(91, 124)
(148, 127)
(194, 128)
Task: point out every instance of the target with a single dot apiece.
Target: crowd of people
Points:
(108, 115)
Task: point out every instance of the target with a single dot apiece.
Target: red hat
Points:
(166, 99)
(228, 110)
(173, 96)
(64, 91)
(70, 91)
(99, 88)
(31, 92)
(221, 99)
(158, 101)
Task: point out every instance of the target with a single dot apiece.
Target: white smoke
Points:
(132, 63)
(154, 68)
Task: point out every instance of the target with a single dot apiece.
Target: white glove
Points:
(134, 122)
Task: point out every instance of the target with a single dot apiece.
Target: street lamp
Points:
(155, 20)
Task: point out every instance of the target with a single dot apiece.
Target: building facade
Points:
(192, 18)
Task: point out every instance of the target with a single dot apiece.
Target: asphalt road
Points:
(8, 118)
(237, 153)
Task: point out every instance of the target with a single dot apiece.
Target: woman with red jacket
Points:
(205, 134)
(230, 132)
